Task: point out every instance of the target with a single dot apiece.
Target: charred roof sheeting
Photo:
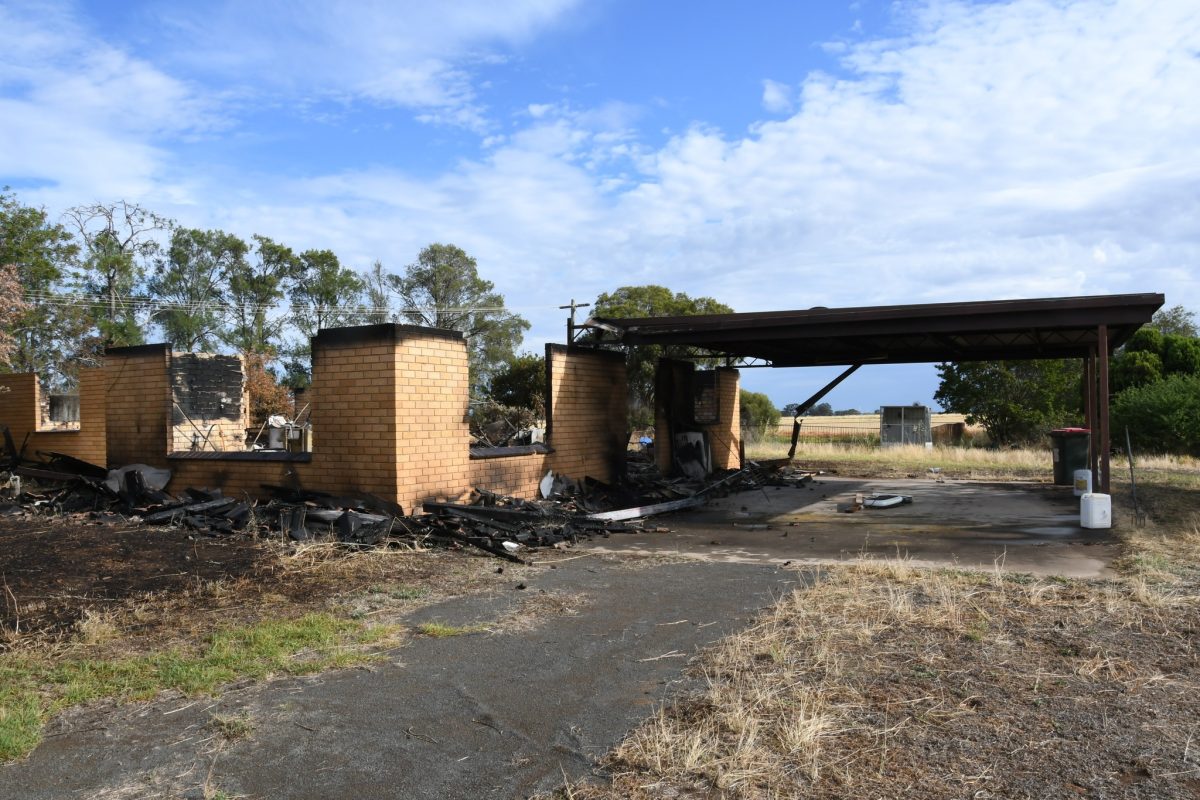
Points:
(1053, 327)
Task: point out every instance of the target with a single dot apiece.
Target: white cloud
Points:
(992, 151)
(776, 97)
(414, 54)
(982, 156)
(84, 113)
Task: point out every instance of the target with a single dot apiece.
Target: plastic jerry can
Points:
(1083, 482)
(1095, 510)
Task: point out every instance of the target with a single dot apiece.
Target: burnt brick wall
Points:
(19, 404)
(517, 475)
(19, 410)
(208, 409)
(674, 401)
(587, 412)
(137, 394)
(725, 437)
(433, 439)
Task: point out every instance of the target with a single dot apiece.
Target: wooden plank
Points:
(647, 511)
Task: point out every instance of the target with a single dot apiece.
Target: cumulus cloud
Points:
(1022, 148)
(991, 151)
(776, 97)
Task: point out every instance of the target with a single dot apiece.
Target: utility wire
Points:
(74, 300)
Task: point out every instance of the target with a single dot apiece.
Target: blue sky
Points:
(771, 154)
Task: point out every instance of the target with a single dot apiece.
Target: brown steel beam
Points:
(1102, 409)
(812, 401)
(1089, 408)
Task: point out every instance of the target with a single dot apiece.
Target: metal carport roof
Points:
(1088, 328)
(1052, 327)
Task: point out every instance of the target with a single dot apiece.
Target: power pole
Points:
(571, 321)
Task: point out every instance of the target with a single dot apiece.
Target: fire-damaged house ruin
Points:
(388, 411)
(388, 404)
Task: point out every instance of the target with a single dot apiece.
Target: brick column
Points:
(587, 411)
(137, 404)
(390, 415)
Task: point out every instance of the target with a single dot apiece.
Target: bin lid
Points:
(1071, 431)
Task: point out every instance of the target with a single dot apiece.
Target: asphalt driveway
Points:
(501, 713)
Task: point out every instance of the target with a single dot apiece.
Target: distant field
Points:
(855, 427)
(863, 421)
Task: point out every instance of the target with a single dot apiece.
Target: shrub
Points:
(1162, 417)
(759, 415)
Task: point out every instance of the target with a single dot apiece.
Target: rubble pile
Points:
(505, 527)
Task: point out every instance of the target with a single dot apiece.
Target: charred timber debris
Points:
(505, 527)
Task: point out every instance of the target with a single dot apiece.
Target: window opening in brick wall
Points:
(706, 403)
(59, 412)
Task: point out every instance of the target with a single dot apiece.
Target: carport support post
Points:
(1089, 409)
(1102, 398)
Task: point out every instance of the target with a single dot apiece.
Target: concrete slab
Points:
(974, 525)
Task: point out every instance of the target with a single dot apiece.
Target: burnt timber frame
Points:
(1088, 328)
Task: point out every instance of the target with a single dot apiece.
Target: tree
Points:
(1151, 355)
(324, 294)
(642, 362)
(189, 286)
(1175, 320)
(118, 244)
(442, 289)
(265, 394)
(521, 383)
(1135, 368)
(1145, 339)
(819, 410)
(1015, 401)
(759, 414)
(1163, 416)
(253, 290)
(1180, 355)
(46, 335)
(377, 288)
(11, 310)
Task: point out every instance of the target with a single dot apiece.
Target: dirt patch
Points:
(56, 569)
(116, 587)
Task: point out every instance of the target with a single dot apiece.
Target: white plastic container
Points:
(1095, 510)
(1083, 482)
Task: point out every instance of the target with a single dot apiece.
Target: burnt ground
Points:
(1070, 689)
(55, 569)
(153, 587)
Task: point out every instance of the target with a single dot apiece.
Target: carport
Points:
(1088, 328)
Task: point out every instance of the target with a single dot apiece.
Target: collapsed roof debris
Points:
(504, 527)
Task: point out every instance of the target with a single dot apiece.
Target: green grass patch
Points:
(232, 727)
(34, 687)
(439, 630)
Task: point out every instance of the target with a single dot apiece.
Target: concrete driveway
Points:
(1025, 527)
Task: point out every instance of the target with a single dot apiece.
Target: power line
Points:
(76, 300)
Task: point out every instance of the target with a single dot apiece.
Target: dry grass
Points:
(536, 608)
(870, 683)
(887, 680)
(954, 462)
(232, 727)
(865, 422)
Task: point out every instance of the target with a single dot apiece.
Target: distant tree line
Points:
(116, 274)
(1154, 385)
